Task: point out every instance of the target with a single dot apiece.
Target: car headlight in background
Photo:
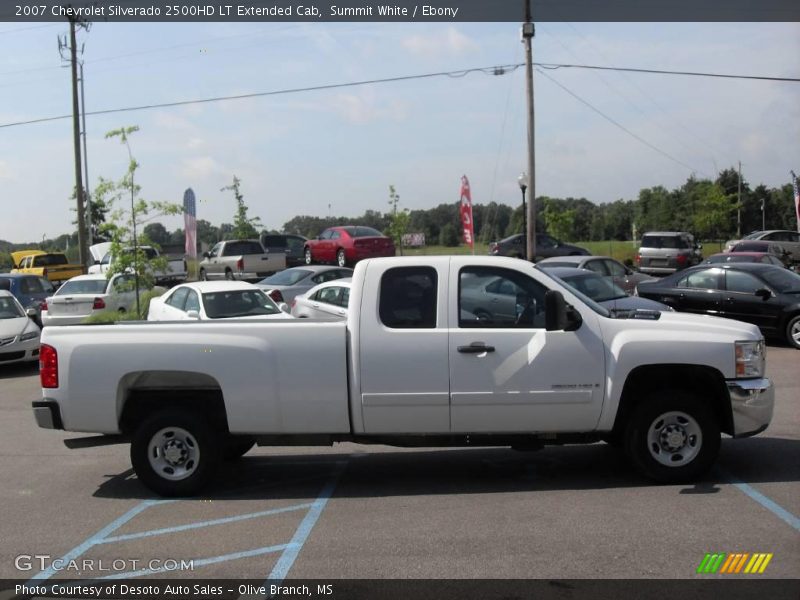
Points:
(750, 359)
(28, 336)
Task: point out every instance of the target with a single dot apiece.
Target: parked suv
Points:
(546, 247)
(664, 252)
(289, 243)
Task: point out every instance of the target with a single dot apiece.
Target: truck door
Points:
(402, 349)
(507, 373)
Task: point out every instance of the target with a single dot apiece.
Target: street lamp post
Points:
(522, 180)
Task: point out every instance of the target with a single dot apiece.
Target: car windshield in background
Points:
(598, 308)
(287, 277)
(783, 280)
(9, 309)
(357, 232)
(663, 241)
(599, 289)
(83, 286)
(238, 303)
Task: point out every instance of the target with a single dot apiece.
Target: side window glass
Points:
(736, 281)
(178, 298)
(326, 235)
(702, 280)
(615, 269)
(408, 298)
(192, 301)
(328, 295)
(335, 235)
(490, 297)
(215, 251)
(597, 266)
(344, 298)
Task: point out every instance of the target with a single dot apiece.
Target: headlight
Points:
(750, 359)
(28, 336)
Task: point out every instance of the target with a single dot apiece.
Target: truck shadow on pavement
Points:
(388, 473)
(19, 370)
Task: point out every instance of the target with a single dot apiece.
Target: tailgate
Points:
(67, 306)
(264, 264)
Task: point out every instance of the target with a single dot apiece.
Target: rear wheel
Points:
(341, 259)
(793, 331)
(672, 437)
(175, 453)
(228, 274)
(307, 256)
(203, 276)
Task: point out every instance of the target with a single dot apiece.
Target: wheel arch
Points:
(141, 393)
(705, 381)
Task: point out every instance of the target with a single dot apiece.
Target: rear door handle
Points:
(475, 348)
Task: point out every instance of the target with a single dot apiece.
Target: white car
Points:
(326, 301)
(85, 295)
(19, 335)
(205, 300)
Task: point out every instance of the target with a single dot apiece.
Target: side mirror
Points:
(284, 307)
(193, 314)
(32, 314)
(763, 293)
(558, 315)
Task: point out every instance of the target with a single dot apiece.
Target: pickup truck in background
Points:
(175, 272)
(244, 260)
(411, 366)
(53, 266)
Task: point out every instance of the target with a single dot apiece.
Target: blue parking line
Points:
(767, 503)
(199, 524)
(286, 560)
(202, 562)
(97, 537)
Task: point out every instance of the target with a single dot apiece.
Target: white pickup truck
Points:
(175, 271)
(413, 366)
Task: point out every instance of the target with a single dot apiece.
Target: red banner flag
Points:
(796, 191)
(466, 213)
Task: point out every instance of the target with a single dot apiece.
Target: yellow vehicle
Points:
(52, 265)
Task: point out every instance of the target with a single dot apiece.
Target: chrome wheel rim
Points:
(674, 439)
(340, 259)
(794, 333)
(308, 257)
(173, 453)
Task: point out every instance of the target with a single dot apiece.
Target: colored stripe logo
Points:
(733, 563)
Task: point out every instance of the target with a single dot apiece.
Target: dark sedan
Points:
(765, 295)
(740, 257)
(546, 247)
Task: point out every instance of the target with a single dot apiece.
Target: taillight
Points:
(98, 304)
(639, 258)
(276, 295)
(43, 305)
(681, 258)
(48, 366)
(240, 264)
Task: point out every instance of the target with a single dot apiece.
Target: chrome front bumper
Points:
(752, 401)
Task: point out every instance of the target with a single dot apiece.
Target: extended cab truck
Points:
(412, 367)
(244, 260)
(53, 266)
(175, 271)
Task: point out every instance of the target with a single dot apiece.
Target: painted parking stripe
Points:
(198, 525)
(767, 503)
(98, 537)
(286, 560)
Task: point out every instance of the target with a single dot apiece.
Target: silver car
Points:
(623, 276)
(664, 252)
(285, 285)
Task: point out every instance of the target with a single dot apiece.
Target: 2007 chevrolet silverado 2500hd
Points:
(450, 350)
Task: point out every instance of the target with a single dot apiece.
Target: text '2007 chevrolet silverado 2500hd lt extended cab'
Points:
(451, 350)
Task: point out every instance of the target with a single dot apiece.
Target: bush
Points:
(448, 236)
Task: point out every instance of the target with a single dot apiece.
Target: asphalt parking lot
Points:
(379, 512)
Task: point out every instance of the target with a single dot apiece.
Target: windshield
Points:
(600, 310)
(83, 286)
(287, 277)
(9, 309)
(783, 280)
(238, 303)
(599, 289)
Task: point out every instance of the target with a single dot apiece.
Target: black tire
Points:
(793, 332)
(228, 274)
(309, 260)
(672, 437)
(341, 258)
(203, 276)
(236, 446)
(184, 433)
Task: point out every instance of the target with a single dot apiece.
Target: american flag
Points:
(190, 222)
(796, 199)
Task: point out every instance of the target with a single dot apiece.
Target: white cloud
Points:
(200, 168)
(365, 108)
(450, 42)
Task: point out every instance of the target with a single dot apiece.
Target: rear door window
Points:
(408, 298)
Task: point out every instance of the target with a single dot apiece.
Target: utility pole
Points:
(527, 39)
(83, 251)
(739, 205)
(87, 194)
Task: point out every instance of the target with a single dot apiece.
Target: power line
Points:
(665, 72)
(622, 127)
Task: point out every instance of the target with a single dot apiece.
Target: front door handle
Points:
(475, 348)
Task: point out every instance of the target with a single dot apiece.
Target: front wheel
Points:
(229, 275)
(341, 259)
(793, 332)
(672, 437)
(175, 453)
(307, 256)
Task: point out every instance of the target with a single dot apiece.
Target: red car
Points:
(347, 245)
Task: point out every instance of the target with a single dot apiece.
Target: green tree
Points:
(560, 223)
(398, 220)
(448, 236)
(713, 210)
(244, 227)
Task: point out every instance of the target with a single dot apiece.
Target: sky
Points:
(336, 151)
